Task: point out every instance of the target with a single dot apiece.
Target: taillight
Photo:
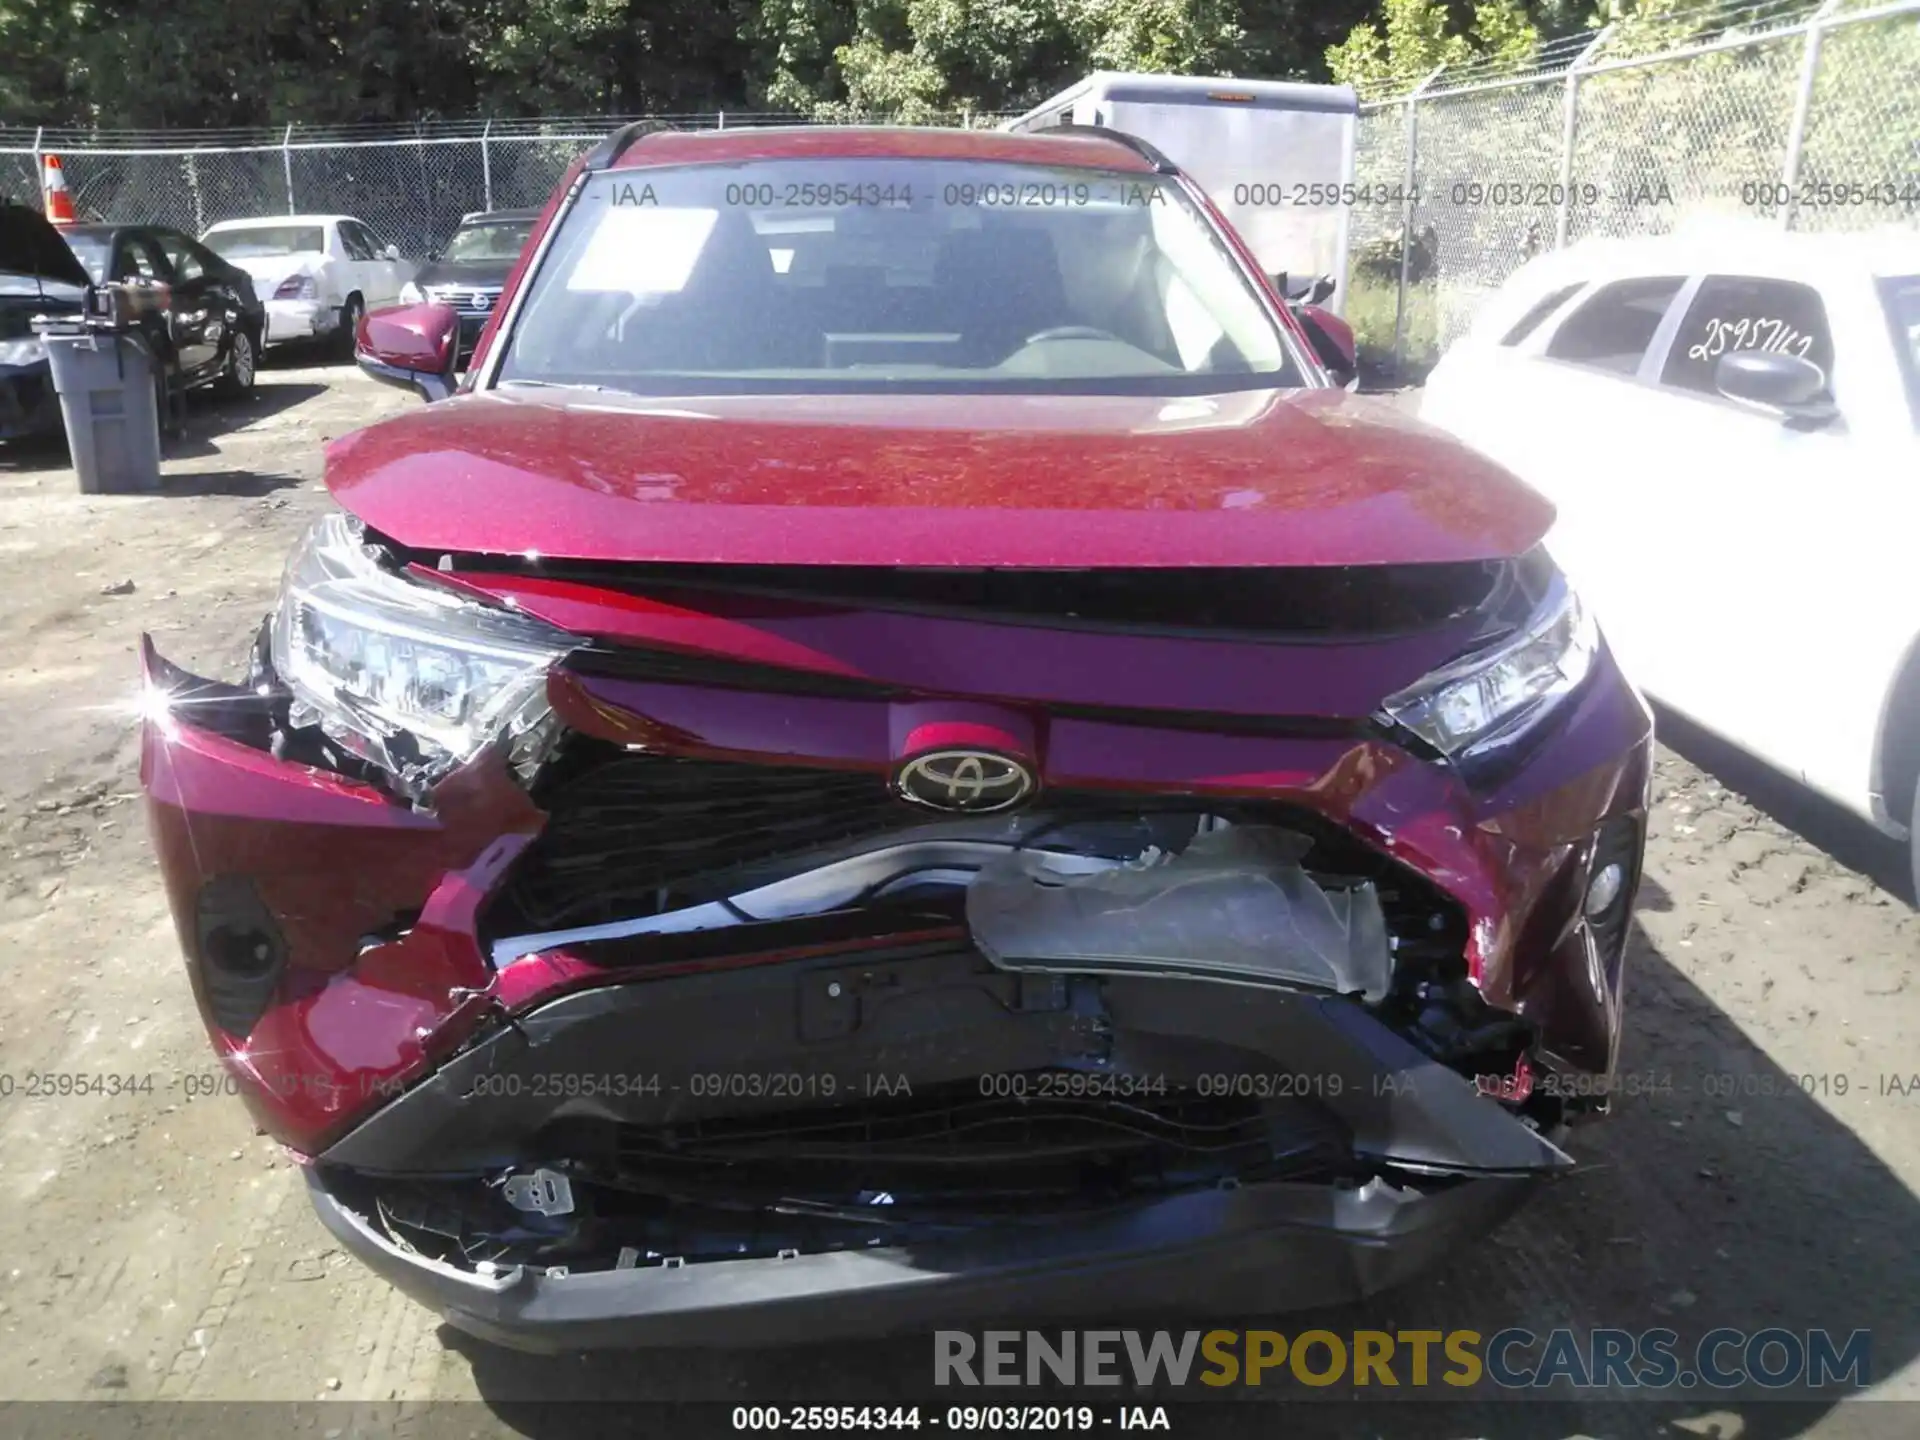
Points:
(296, 287)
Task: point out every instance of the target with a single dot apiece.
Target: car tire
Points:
(236, 380)
(350, 314)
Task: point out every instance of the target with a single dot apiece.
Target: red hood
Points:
(1305, 477)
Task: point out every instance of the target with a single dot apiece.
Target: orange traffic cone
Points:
(59, 201)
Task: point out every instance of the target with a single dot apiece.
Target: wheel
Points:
(236, 381)
(350, 314)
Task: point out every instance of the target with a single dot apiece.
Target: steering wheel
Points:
(1071, 332)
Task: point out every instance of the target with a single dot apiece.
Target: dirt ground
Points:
(153, 1246)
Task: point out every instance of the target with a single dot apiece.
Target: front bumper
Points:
(1255, 1249)
(300, 320)
(381, 992)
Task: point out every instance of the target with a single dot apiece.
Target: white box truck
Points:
(1275, 156)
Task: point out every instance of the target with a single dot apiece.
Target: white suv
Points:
(1729, 426)
(317, 273)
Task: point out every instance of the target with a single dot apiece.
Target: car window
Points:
(1901, 296)
(90, 249)
(1538, 311)
(353, 242)
(375, 245)
(488, 240)
(140, 258)
(870, 275)
(1743, 312)
(179, 251)
(1612, 329)
(257, 242)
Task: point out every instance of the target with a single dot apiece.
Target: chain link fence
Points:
(1802, 113)
(1809, 120)
(411, 187)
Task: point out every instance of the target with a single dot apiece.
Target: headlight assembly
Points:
(411, 294)
(1490, 696)
(413, 679)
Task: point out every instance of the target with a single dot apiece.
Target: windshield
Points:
(258, 242)
(90, 251)
(1901, 295)
(871, 275)
(495, 240)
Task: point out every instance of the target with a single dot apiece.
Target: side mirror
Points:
(392, 252)
(412, 346)
(1789, 384)
(1332, 341)
(1303, 292)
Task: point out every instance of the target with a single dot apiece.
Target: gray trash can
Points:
(105, 378)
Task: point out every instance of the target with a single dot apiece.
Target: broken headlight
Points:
(1490, 696)
(409, 677)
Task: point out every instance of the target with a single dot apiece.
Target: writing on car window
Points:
(1749, 332)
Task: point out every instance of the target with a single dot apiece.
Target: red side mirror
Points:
(1332, 340)
(410, 345)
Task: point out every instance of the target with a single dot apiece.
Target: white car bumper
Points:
(299, 319)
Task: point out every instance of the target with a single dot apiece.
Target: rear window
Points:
(90, 251)
(1538, 311)
(259, 242)
(872, 275)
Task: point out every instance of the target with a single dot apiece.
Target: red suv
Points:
(898, 752)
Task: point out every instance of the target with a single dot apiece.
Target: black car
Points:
(38, 276)
(209, 323)
(469, 273)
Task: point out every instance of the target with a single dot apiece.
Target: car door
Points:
(363, 265)
(1574, 421)
(206, 305)
(1773, 514)
(181, 315)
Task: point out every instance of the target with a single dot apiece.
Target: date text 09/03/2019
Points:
(1016, 1419)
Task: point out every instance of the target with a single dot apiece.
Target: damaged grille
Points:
(622, 834)
(632, 834)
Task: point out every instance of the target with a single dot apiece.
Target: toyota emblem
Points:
(970, 782)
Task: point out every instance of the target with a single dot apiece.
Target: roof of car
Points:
(491, 217)
(1724, 246)
(253, 221)
(846, 142)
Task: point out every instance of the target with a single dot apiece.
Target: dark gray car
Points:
(470, 273)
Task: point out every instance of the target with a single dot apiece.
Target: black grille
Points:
(622, 835)
(953, 1143)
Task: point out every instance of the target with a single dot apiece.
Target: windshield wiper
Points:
(561, 385)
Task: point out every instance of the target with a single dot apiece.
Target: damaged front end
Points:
(685, 998)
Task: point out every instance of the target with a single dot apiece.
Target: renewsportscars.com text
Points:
(1511, 1359)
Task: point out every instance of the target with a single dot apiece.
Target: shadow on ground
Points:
(1679, 1217)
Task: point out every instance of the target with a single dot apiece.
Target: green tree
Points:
(1413, 41)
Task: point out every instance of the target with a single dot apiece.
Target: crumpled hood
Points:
(1303, 477)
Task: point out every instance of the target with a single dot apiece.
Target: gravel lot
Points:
(154, 1246)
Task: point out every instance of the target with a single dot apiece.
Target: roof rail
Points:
(1133, 142)
(615, 145)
